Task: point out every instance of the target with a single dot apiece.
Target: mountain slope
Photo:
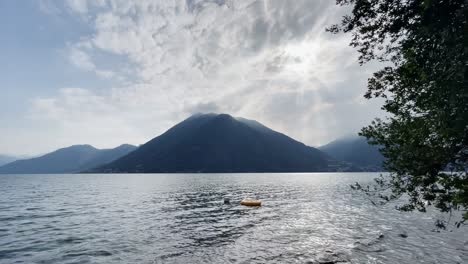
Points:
(220, 143)
(4, 159)
(67, 160)
(357, 151)
(105, 156)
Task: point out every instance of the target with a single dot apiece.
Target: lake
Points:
(181, 218)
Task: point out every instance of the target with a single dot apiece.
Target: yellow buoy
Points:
(251, 202)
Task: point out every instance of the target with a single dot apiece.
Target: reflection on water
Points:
(305, 218)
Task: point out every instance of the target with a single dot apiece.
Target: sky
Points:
(108, 72)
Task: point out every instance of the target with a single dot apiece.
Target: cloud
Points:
(105, 74)
(49, 7)
(83, 61)
(79, 6)
(266, 60)
(85, 117)
(82, 6)
(209, 107)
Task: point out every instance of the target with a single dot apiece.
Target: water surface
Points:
(181, 218)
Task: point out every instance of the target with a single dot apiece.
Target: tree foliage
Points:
(424, 45)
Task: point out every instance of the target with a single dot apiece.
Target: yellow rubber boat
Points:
(251, 202)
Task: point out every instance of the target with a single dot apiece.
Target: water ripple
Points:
(305, 218)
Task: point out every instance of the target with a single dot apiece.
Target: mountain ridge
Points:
(356, 151)
(220, 143)
(209, 143)
(72, 159)
(5, 159)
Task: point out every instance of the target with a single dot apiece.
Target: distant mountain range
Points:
(356, 151)
(221, 143)
(210, 143)
(67, 160)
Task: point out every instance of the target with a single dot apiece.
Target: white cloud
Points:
(79, 6)
(48, 7)
(105, 74)
(86, 117)
(81, 60)
(267, 60)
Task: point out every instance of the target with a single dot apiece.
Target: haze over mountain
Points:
(209, 143)
(4, 159)
(67, 160)
(221, 143)
(357, 151)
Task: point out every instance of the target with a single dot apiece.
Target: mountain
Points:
(67, 160)
(357, 151)
(4, 159)
(221, 143)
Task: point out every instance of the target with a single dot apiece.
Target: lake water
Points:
(181, 218)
